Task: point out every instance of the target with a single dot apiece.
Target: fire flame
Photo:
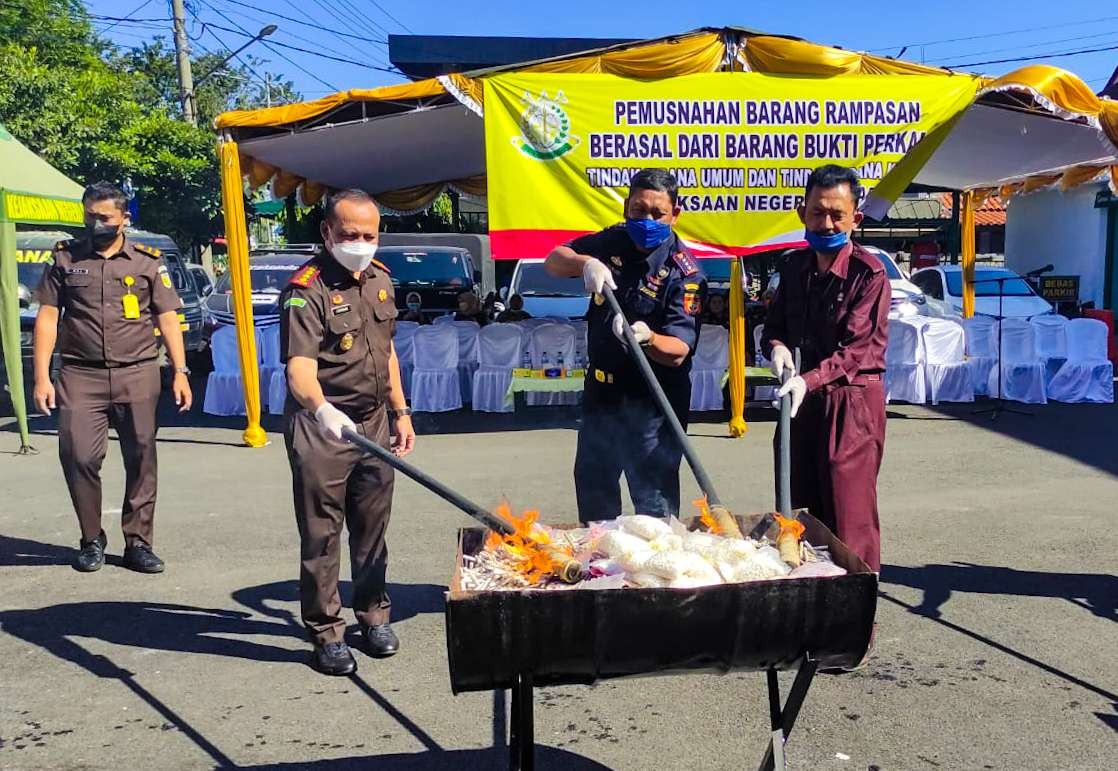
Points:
(706, 517)
(789, 527)
(533, 552)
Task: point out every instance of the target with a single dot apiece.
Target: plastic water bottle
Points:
(526, 362)
(560, 366)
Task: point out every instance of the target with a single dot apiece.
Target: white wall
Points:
(1064, 229)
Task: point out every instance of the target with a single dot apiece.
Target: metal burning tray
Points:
(568, 637)
(543, 637)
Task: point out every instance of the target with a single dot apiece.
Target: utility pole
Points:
(182, 55)
(268, 87)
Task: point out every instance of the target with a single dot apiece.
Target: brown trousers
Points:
(334, 483)
(90, 400)
(838, 439)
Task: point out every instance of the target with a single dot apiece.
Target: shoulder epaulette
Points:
(382, 266)
(65, 246)
(151, 251)
(686, 263)
(305, 276)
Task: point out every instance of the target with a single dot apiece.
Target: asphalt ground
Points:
(996, 648)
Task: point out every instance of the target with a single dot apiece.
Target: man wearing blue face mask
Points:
(661, 290)
(832, 304)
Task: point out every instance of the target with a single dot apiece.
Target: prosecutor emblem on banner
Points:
(545, 127)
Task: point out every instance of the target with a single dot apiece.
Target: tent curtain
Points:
(236, 237)
(284, 184)
(474, 187)
(1060, 92)
(784, 56)
(310, 193)
(410, 200)
(738, 336)
(967, 252)
(9, 327)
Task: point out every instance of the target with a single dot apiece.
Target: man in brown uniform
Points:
(833, 304)
(113, 293)
(338, 319)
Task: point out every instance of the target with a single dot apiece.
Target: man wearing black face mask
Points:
(114, 293)
(661, 291)
(833, 304)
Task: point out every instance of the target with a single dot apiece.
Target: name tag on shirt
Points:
(77, 271)
(341, 309)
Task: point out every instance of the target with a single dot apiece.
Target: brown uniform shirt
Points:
(838, 320)
(346, 325)
(90, 290)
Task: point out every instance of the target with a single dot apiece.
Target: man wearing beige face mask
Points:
(338, 316)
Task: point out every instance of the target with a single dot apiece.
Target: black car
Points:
(191, 317)
(269, 271)
(436, 274)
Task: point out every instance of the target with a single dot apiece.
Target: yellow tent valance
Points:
(786, 56)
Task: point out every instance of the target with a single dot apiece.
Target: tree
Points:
(97, 112)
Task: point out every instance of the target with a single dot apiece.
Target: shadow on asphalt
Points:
(1094, 592)
(446, 760)
(408, 600)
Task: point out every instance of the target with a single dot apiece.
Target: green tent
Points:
(31, 192)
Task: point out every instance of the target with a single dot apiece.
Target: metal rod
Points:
(526, 718)
(785, 467)
(661, 399)
(484, 516)
(791, 710)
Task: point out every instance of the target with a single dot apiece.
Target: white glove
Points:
(797, 387)
(596, 275)
(640, 330)
(782, 361)
(333, 420)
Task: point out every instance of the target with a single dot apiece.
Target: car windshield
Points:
(534, 281)
(891, 269)
(426, 266)
(985, 286)
(183, 283)
(266, 279)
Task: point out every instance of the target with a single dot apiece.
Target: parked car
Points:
(437, 274)
(1019, 300)
(269, 271)
(907, 298)
(191, 316)
(545, 295)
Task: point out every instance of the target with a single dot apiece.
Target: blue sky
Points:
(933, 31)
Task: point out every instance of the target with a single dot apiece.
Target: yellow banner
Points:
(23, 207)
(561, 149)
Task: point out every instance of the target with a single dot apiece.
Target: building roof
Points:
(991, 212)
(426, 56)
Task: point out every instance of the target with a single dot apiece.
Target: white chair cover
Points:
(946, 374)
(529, 324)
(904, 363)
(1051, 343)
(582, 356)
(404, 342)
(224, 393)
(435, 380)
(446, 318)
(277, 391)
(556, 340)
(268, 354)
(500, 351)
(712, 357)
(982, 351)
(1087, 375)
(1022, 372)
(467, 356)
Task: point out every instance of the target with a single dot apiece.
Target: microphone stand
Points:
(999, 401)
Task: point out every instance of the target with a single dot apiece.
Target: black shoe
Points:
(334, 658)
(142, 559)
(91, 555)
(380, 641)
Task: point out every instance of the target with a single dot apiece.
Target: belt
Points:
(101, 364)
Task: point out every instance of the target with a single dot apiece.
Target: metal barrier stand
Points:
(783, 719)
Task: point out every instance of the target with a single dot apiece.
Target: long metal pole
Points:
(182, 57)
(661, 398)
(486, 517)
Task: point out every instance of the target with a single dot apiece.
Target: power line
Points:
(134, 11)
(1050, 55)
(312, 20)
(339, 8)
(271, 47)
(339, 33)
(1023, 47)
(308, 51)
(386, 13)
(997, 34)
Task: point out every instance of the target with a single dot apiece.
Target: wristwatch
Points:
(403, 411)
(182, 371)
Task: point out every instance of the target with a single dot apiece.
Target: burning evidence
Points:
(638, 552)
